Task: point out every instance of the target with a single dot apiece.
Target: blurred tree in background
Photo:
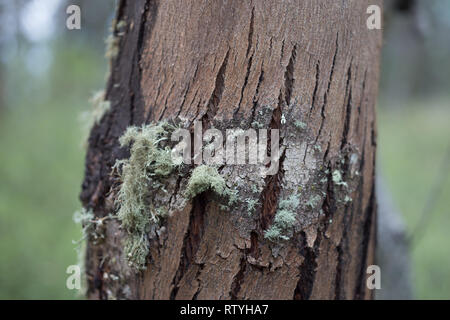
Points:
(47, 75)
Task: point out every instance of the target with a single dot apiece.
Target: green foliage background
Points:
(42, 155)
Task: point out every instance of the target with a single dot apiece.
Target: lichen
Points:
(205, 178)
(99, 107)
(112, 46)
(141, 176)
(337, 179)
(251, 205)
(284, 220)
(92, 227)
(300, 125)
(313, 201)
(258, 125)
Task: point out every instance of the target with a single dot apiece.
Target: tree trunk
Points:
(308, 68)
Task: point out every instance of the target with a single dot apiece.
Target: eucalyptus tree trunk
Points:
(308, 68)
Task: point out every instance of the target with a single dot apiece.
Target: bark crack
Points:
(216, 95)
(271, 193)
(289, 76)
(327, 92)
(191, 241)
(348, 107)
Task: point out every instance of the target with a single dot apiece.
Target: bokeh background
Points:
(48, 74)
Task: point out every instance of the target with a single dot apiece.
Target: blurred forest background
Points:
(48, 74)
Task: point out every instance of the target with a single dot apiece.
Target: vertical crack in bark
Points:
(348, 107)
(247, 74)
(367, 234)
(289, 76)
(216, 95)
(338, 278)
(236, 284)
(316, 88)
(191, 240)
(256, 96)
(197, 275)
(134, 81)
(271, 193)
(330, 80)
(250, 32)
(308, 269)
(250, 60)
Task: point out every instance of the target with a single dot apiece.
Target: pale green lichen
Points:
(141, 176)
(85, 218)
(337, 179)
(112, 46)
(251, 205)
(99, 106)
(112, 41)
(254, 188)
(313, 201)
(258, 125)
(284, 220)
(205, 178)
(300, 125)
(92, 229)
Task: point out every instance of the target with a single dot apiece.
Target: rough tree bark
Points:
(229, 64)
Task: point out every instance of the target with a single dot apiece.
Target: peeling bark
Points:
(230, 64)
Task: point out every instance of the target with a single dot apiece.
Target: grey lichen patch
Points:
(142, 179)
(285, 219)
(112, 46)
(205, 178)
(317, 148)
(348, 199)
(94, 229)
(99, 105)
(251, 205)
(300, 125)
(257, 125)
(313, 201)
(345, 176)
(113, 40)
(337, 178)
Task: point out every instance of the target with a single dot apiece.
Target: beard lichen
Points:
(93, 228)
(142, 181)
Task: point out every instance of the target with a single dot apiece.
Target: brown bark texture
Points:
(230, 64)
